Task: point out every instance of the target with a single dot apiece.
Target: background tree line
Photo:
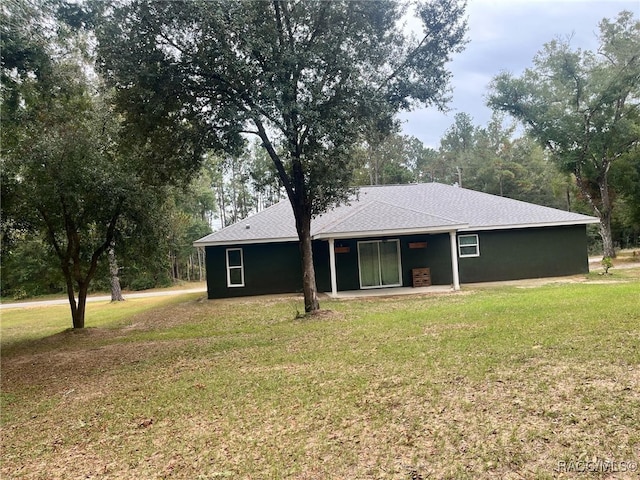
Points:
(489, 158)
(159, 252)
(113, 142)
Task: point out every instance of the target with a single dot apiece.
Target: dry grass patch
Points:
(502, 383)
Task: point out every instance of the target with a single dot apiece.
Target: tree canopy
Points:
(583, 107)
(69, 176)
(310, 79)
(62, 178)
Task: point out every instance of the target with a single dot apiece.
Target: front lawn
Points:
(534, 383)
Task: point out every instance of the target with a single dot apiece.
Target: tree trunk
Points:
(189, 266)
(72, 297)
(605, 218)
(70, 262)
(607, 238)
(78, 307)
(78, 318)
(116, 290)
(176, 266)
(309, 287)
(295, 187)
(601, 206)
(221, 203)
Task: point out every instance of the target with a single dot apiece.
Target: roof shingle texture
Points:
(396, 208)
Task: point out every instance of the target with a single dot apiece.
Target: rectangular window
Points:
(468, 246)
(379, 263)
(235, 268)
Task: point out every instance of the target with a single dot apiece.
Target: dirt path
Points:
(102, 298)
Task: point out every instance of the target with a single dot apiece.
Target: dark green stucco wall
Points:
(268, 268)
(321, 265)
(504, 255)
(436, 256)
(527, 253)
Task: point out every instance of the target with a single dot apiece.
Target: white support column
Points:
(332, 268)
(454, 261)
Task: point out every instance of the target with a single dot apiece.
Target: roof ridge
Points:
(372, 203)
(342, 219)
(421, 212)
(395, 185)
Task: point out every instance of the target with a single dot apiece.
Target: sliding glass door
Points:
(379, 263)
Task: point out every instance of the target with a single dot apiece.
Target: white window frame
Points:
(235, 267)
(476, 245)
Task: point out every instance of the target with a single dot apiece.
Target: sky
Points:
(505, 35)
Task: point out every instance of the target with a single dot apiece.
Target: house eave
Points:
(222, 243)
(391, 232)
(567, 223)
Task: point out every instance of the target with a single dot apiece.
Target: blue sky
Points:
(505, 35)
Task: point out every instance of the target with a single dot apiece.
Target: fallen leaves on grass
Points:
(417, 389)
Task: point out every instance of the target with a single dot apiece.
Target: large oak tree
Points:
(69, 176)
(307, 78)
(584, 107)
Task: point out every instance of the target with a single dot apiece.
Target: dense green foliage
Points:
(327, 121)
(387, 159)
(61, 181)
(583, 108)
(309, 79)
(73, 181)
(491, 159)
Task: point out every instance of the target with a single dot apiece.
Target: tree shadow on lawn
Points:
(76, 354)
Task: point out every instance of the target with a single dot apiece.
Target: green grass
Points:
(178, 285)
(491, 383)
(20, 325)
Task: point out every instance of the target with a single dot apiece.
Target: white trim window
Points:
(468, 246)
(235, 267)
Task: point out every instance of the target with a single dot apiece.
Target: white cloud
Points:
(505, 35)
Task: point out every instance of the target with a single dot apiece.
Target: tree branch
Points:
(286, 181)
(108, 238)
(292, 75)
(51, 233)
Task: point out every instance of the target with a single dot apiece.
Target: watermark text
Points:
(598, 465)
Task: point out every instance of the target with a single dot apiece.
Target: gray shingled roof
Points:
(368, 216)
(395, 210)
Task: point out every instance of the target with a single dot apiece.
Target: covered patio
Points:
(391, 292)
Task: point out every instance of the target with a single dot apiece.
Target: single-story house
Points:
(398, 235)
